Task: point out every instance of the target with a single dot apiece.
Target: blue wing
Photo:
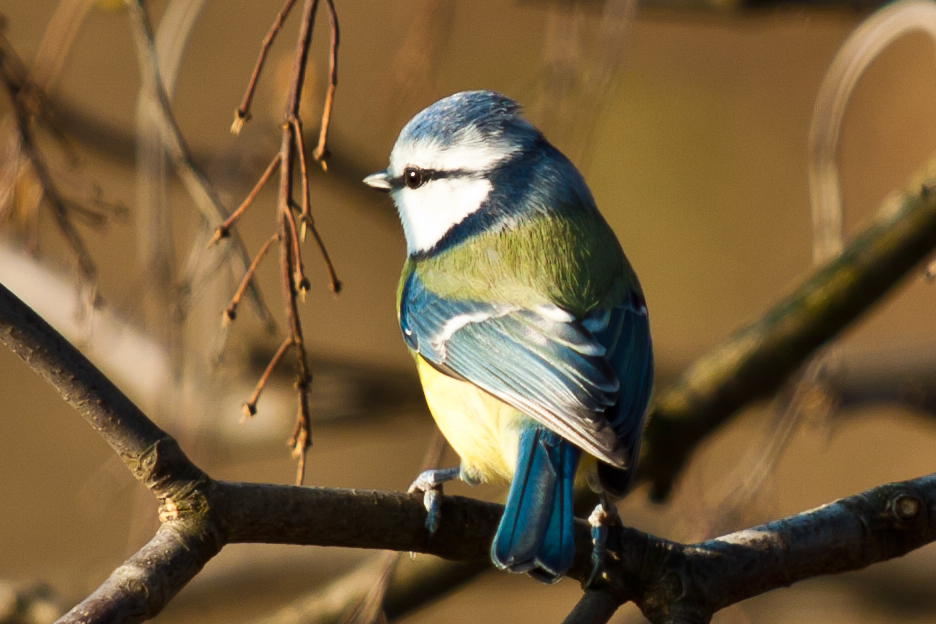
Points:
(625, 332)
(571, 375)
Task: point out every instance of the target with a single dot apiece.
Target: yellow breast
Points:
(483, 430)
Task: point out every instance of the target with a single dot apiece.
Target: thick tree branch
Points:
(754, 362)
(595, 607)
(141, 587)
(694, 581)
(664, 578)
(108, 410)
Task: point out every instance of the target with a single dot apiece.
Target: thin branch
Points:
(304, 171)
(230, 312)
(224, 230)
(250, 406)
(26, 100)
(60, 211)
(199, 188)
(242, 115)
(300, 282)
(333, 282)
(301, 438)
(321, 150)
(852, 533)
(294, 282)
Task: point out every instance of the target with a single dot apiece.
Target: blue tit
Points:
(527, 323)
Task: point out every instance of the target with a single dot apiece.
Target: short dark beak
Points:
(379, 181)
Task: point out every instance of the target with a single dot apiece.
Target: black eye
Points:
(413, 177)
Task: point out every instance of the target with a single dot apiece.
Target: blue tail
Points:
(536, 531)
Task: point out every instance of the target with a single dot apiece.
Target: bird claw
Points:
(430, 483)
(604, 516)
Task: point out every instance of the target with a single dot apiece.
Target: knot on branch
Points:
(168, 472)
(906, 507)
(894, 513)
(662, 576)
(907, 510)
(651, 571)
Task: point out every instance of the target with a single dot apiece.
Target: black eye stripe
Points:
(427, 175)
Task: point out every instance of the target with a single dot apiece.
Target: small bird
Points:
(527, 323)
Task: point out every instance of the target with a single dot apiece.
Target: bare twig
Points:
(242, 115)
(308, 223)
(333, 282)
(27, 101)
(304, 171)
(300, 282)
(301, 438)
(290, 260)
(321, 150)
(199, 188)
(231, 311)
(224, 230)
(250, 406)
(294, 282)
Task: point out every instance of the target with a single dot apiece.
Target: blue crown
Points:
(487, 113)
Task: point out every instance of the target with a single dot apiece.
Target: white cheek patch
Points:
(430, 211)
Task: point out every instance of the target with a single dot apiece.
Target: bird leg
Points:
(430, 483)
(601, 520)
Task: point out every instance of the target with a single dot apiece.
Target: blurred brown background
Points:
(696, 154)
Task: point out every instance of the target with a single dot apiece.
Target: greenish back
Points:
(574, 262)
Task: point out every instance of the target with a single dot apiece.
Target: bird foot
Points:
(604, 516)
(430, 483)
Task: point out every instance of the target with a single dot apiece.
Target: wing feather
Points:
(564, 372)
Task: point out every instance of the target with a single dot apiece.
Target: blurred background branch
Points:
(695, 151)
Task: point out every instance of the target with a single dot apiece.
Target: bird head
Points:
(443, 165)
